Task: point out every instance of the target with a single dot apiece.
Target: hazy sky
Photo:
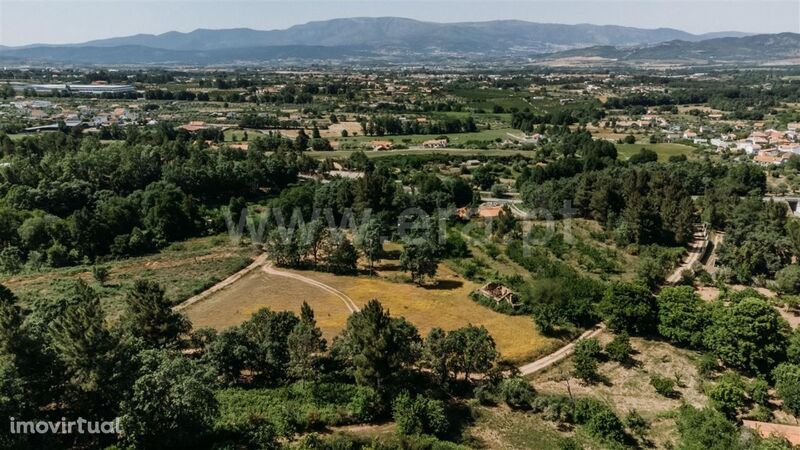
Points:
(67, 21)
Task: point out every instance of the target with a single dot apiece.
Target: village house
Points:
(381, 145)
(435, 143)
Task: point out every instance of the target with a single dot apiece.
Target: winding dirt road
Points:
(547, 361)
(348, 302)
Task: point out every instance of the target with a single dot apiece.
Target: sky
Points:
(70, 21)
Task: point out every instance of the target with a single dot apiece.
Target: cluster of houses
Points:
(768, 147)
(51, 114)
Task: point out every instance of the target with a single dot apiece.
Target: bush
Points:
(100, 274)
(517, 393)
(585, 358)
(787, 384)
(365, 404)
(553, 408)
(619, 349)
(728, 395)
(663, 385)
(758, 390)
(419, 415)
(787, 279)
(707, 365)
(485, 395)
(599, 420)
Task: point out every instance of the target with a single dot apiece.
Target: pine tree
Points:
(305, 345)
(87, 350)
(150, 317)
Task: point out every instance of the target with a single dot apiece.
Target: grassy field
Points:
(183, 269)
(455, 138)
(257, 290)
(446, 305)
(664, 150)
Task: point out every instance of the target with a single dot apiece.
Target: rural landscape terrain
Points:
(381, 233)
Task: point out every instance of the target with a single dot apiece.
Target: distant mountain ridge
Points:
(394, 32)
(380, 38)
(760, 47)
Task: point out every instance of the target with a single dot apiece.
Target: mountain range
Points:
(398, 39)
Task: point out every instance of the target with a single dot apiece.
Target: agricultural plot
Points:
(183, 269)
(446, 305)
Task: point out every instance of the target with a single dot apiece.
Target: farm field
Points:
(183, 269)
(455, 138)
(446, 305)
(664, 150)
(427, 151)
(236, 303)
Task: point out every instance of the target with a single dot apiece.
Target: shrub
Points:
(419, 415)
(599, 420)
(585, 358)
(636, 424)
(517, 393)
(707, 365)
(100, 274)
(365, 404)
(485, 395)
(663, 385)
(728, 395)
(787, 384)
(758, 390)
(619, 349)
(555, 408)
(788, 279)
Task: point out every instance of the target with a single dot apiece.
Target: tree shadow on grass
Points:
(444, 285)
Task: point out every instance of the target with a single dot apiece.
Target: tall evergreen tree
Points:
(305, 345)
(150, 317)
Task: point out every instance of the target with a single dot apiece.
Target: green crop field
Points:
(664, 150)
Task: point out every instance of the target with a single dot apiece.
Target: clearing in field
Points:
(236, 303)
(446, 305)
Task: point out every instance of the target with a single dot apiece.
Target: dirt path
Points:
(348, 302)
(558, 355)
(260, 260)
(696, 250)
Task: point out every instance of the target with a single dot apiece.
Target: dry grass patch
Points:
(446, 305)
(236, 303)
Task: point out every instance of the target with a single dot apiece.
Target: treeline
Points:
(583, 112)
(391, 125)
(65, 201)
(724, 96)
